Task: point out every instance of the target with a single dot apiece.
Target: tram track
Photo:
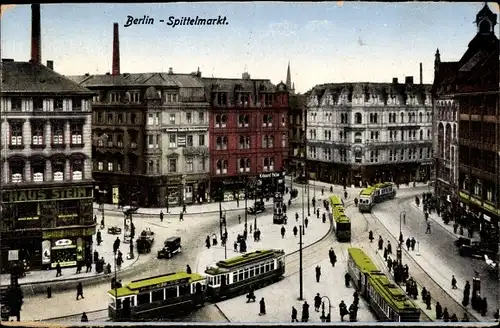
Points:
(439, 294)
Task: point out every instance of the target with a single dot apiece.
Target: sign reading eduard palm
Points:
(40, 195)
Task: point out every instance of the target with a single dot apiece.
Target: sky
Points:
(325, 42)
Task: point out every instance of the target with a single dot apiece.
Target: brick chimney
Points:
(50, 64)
(36, 39)
(116, 50)
(421, 74)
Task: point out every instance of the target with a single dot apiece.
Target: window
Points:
(110, 166)
(283, 140)
(16, 134)
(151, 119)
(358, 118)
(143, 299)
(157, 295)
(201, 140)
(268, 99)
(172, 165)
(224, 143)
(189, 140)
(157, 119)
(119, 141)
(115, 97)
(271, 142)
(119, 119)
(189, 165)
(189, 118)
(402, 118)
(136, 97)
(151, 166)
(358, 137)
(37, 134)
(15, 104)
(242, 165)
(37, 104)
(100, 165)
(58, 170)
(133, 118)
(150, 142)
(421, 135)
(110, 119)
(172, 141)
(283, 119)
(247, 165)
(201, 117)
(202, 163)
(158, 141)
(77, 169)
(172, 119)
(158, 168)
(38, 170)
(16, 171)
(76, 134)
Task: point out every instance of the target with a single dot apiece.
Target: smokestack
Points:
(421, 75)
(50, 64)
(36, 39)
(116, 50)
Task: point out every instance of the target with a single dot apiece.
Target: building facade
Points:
(150, 135)
(478, 131)
(366, 132)
(296, 135)
(47, 186)
(248, 133)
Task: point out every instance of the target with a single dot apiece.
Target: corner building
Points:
(361, 133)
(248, 133)
(47, 185)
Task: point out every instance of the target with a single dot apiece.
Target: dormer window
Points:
(135, 97)
(268, 99)
(115, 97)
(222, 98)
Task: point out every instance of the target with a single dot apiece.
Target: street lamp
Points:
(221, 195)
(116, 288)
(103, 193)
(402, 218)
(328, 317)
(303, 205)
(301, 278)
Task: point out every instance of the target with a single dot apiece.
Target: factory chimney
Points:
(421, 74)
(36, 39)
(116, 50)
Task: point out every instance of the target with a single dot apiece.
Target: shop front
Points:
(271, 182)
(67, 247)
(195, 188)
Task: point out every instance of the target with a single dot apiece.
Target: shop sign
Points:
(31, 218)
(174, 180)
(46, 252)
(63, 242)
(63, 264)
(17, 196)
(68, 233)
(67, 216)
(270, 175)
(116, 195)
(476, 201)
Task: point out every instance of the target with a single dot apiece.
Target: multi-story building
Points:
(248, 132)
(46, 160)
(367, 132)
(296, 135)
(150, 136)
(478, 130)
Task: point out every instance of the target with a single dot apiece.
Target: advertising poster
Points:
(116, 195)
(79, 250)
(46, 252)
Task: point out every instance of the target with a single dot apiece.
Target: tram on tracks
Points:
(377, 193)
(341, 222)
(387, 299)
(173, 294)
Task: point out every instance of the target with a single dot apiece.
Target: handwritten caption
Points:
(177, 21)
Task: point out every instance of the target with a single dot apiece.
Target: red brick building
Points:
(248, 129)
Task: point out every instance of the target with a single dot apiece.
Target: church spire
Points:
(288, 78)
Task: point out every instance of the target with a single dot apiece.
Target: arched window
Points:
(421, 132)
(58, 169)
(218, 121)
(420, 116)
(225, 164)
(271, 142)
(223, 121)
(77, 169)
(266, 164)
(219, 167)
(247, 162)
(428, 133)
(371, 117)
(16, 170)
(38, 170)
(402, 118)
(264, 120)
(242, 142)
(265, 141)
(358, 137)
(242, 164)
(224, 143)
(271, 163)
(283, 140)
(248, 142)
(218, 145)
(358, 118)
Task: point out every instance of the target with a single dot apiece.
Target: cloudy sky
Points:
(324, 42)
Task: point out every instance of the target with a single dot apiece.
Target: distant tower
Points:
(486, 21)
(437, 61)
(289, 85)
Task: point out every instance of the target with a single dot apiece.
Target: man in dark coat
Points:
(262, 305)
(370, 236)
(188, 269)
(380, 243)
(446, 315)
(428, 301)
(389, 247)
(116, 245)
(385, 253)
(79, 291)
(306, 222)
(283, 230)
(408, 243)
(318, 273)
(317, 302)
(84, 317)
(439, 311)
(342, 310)
(98, 238)
(333, 257)
(317, 213)
(295, 231)
(58, 270)
(305, 312)
(294, 314)
(347, 279)
(413, 242)
(96, 256)
(161, 216)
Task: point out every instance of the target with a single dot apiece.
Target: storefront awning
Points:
(472, 200)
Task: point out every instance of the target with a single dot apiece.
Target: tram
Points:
(341, 222)
(243, 273)
(387, 299)
(162, 296)
(378, 193)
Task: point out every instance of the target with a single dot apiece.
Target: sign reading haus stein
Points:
(37, 195)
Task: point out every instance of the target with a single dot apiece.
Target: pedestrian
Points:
(389, 247)
(428, 230)
(342, 310)
(424, 294)
(380, 243)
(184, 209)
(88, 265)
(188, 269)
(324, 217)
(317, 302)
(295, 230)
(181, 216)
(484, 306)
(207, 242)
(453, 318)
(333, 258)
(453, 282)
(428, 301)
(79, 291)
(296, 217)
(317, 213)
(318, 273)
(389, 263)
(331, 189)
(294, 314)
(96, 256)
(119, 261)
(116, 245)
(98, 238)
(305, 312)
(322, 191)
(385, 253)
(347, 278)
(58, 270)
(262, 304)
(78, 267)
(239, 218)
(446, 315)
(408, 243)
(370, 236)
(306, 221)
(413, 242)
(84, 317)
(161, 216)
(439, 311)
(235, 246)
(283, 230)
(314, 202)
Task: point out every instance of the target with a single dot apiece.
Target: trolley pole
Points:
(301, 282)
(303, 212)
(221, 195)
(116, 288)
(246, 198)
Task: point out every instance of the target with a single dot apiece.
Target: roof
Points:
(36, 78)
(335, 200)
(362, 260)
(247, 257)
(252, 86)
(134, 287)
(140, 79)
(445, 76)
(367, 191)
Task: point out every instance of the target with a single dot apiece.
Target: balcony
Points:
(16, 146)
(58, 145)
(37, 146)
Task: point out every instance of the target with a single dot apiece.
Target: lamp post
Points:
(402, 218)
(246, 198)
(221, 195)
(116, 289)
(303, 212)
(328, 317)
(102, 192)
(301, 278)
